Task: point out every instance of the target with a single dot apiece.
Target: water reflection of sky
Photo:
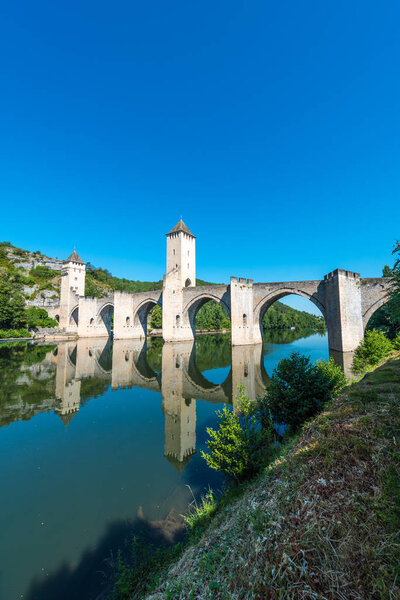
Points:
(96, 447)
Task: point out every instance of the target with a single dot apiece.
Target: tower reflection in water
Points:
(125, 364)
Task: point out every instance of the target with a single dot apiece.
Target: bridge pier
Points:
(242, 312)
(343, 310)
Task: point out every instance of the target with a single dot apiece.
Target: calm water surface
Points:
(100, 441)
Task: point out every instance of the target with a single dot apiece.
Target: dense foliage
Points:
(396, 342)
(43, 272)
(13, 315)
(387, 318)
(299, 389)
(12, 303)
(281, 316)
(239, 445)
(242, 443)
(16, 358)
(9, 334)
(372, 350)
(38, 317)
(100, 282)
(155, 318)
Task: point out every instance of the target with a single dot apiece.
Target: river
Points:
(100, 442)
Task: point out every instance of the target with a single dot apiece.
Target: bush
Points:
(38, 317)
(43, 272)
(298, 389)
(372, 350)
(335, 373)
(14, 333)
(239, 446)
(396, 342)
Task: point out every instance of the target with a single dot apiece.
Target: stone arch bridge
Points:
(346, 301)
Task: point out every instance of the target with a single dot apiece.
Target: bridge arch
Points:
(192, 307)
(103, 359)
(74, 316)
(104, 316)
(371, 310)
(273, 296)
(141, 313)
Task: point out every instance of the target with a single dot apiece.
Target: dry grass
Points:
(322, 522)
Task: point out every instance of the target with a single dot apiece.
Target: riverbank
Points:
(321, 522)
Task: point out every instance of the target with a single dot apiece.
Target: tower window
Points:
(173, 251)
(178, 320)
(188, 265)
(244, 320)
(128, 321)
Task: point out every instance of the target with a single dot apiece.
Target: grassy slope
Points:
(322, 522)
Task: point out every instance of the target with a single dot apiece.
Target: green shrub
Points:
(335, 373)
(14, 333)
(298, 389)
(396, 342)
(372, 350)
(12, 303)
(239, 445)
(38, 317)
(43, 272)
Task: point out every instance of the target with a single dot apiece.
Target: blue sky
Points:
(271, 127)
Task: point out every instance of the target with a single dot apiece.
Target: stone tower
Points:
(72, 286)
(181, 273)
(68, 387)
(181, 254)
(179, 410)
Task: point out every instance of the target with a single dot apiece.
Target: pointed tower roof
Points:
(67, 417)
(179, 465)
(180, 226)
(74, 257)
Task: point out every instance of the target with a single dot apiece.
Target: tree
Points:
(12, 303)
(387, 271)
(298, 389)
(156, 317)
(394, 292)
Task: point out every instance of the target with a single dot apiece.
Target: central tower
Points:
(181, 273)
(181, 254)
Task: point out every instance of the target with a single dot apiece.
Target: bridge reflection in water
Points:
(125, 364)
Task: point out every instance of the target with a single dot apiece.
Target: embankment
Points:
(321, 522)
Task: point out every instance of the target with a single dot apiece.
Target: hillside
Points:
(36, 277)
(40, 277)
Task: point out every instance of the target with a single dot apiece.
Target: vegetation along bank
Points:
(320, 520)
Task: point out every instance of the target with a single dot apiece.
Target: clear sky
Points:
(272, 127)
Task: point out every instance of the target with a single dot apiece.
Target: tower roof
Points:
(179, 465)
(67, 417)
(74, 257)
(180, 226)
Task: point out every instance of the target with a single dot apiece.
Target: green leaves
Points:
(280, 316)
(299, 389)
(38, 317)
(372, 350)
(239, 446)
(12, 303)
